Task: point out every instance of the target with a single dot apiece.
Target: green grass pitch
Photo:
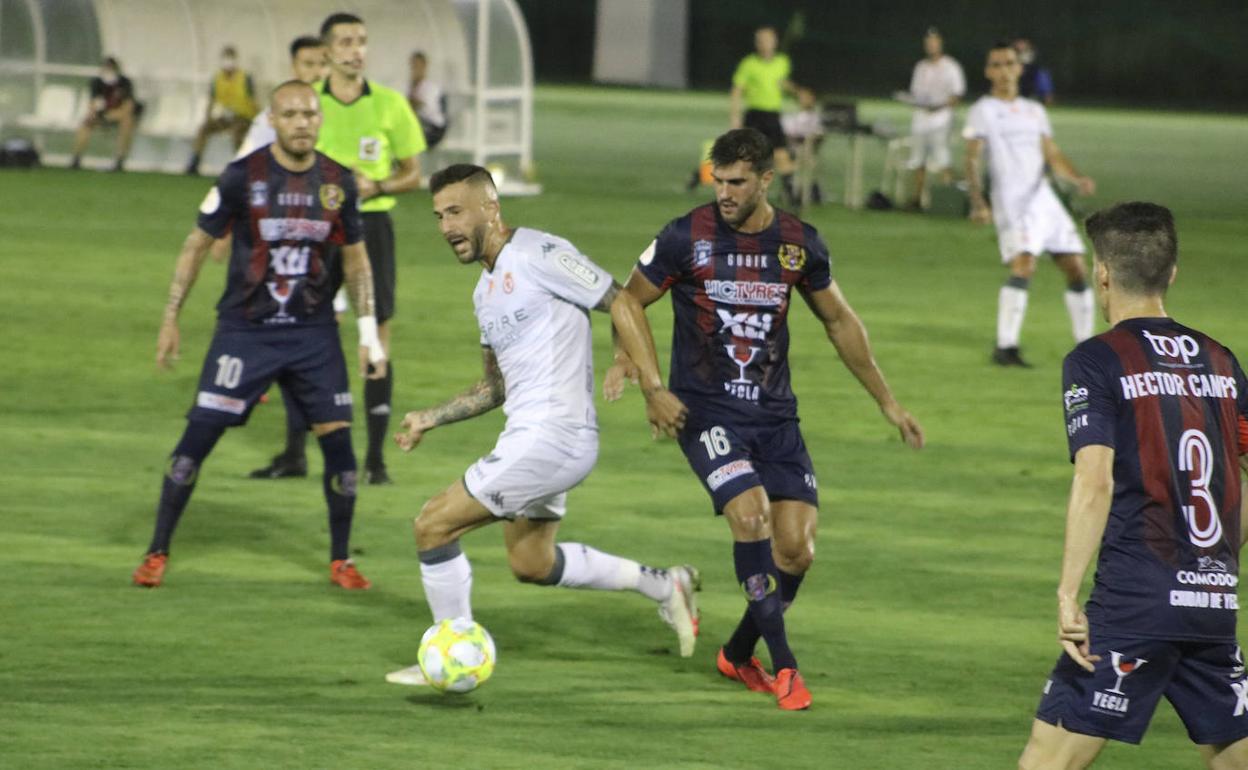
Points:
(926, 627)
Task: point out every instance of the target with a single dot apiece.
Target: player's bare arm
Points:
(632, 333)
(623, 369)
(190, 260)
(487, 394)
(734, 107)
(980, 213)
(358, 276)
(406, 177)
(847, 334)
(1062, 166)
(1090, 496)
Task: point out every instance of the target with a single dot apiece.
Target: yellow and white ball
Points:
(456, 655)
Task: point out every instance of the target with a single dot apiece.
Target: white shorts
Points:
(1044, 225)
(930, 148)
(530, 470)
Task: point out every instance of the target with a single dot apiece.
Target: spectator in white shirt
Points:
(427, 100)
(935, 88)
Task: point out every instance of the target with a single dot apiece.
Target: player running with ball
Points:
(532, 306)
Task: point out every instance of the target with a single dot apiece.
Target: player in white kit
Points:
(532, 306)
(1029, 218)
(935, 87)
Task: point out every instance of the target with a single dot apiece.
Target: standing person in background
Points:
(427, 100)
(935, 89)
(760, 82)
(112, 102)
(231, 107)
(1036, 82)
(371, 129)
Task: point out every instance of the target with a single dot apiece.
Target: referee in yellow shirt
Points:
(760, 81)
(371, 129)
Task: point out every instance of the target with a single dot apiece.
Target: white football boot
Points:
(680, 609)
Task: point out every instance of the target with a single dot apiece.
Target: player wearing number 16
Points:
(285, 204)
(1157, 420)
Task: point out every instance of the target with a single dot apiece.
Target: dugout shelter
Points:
(50, 49)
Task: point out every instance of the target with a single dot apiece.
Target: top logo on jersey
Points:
(702, 253)
(259, 194)
(1182, 346)
(792, 256)
(332, 197)
(1075, 398)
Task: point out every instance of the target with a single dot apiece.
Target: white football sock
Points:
(448, 587)
(1082, 316)
(586, 567)
(1011, 308)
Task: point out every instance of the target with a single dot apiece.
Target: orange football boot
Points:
(791, 692)
(152, 571)
(343, 572)
(751, 674)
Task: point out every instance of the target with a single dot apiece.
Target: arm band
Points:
(369, 339)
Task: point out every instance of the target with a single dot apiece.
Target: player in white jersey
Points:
(307, 63)
(1029, 218)
(936, 86)
(532, 306)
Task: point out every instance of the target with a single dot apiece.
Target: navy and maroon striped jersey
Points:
(1171, 403)
(730, 295)
(281, 272)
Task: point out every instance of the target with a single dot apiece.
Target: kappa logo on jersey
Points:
(750, 326)
(332, 197)
(574, 267)
(792, 257)
(1114, 701)
(1182, 346)
(259, 194)
(1075, 397)
(702, 253)
(548, 247)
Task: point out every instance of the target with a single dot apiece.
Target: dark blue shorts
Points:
(729, 459)
(242, 363)
(1204, 681)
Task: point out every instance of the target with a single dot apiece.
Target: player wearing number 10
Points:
(284, 204)
(1157, 419)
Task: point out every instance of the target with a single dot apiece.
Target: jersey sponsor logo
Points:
(258, 194)
(1114, 701)
(1075, 423)
(293, 229)
(727, 472)
(1198, 578)
(702, 253)
(220, 403)
(750, 326)
(1168, 384)
(211, 202)
(742, 387)
(501, 332)
(331, 196)
(760, 293)
(294, 199)
(1210, 564)
(281, 290)
(1182, 346)
(580, 271)
(1241, 695)
(509, 283)
(1075, 398)
(792, 256)
(755, 261)
(343, 399)
(1204, 600)
(370, 148)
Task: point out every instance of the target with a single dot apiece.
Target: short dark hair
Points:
(456, 173)
(229, 49)
(334, 19)
(418, 55)
(742, 144)
(111, 61)
(304, 41)
(1138, 243)
(998, 45)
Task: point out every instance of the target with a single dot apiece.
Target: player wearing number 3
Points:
(732, 267)
(1157, 419)
(285, 204)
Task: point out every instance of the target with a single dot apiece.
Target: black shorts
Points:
(729, 459)
(1204, 681)
(767, 124)
(242, 363)
(379, 240)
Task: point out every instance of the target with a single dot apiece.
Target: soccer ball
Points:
(456, 655)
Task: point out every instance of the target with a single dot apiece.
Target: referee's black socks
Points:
(377, 395)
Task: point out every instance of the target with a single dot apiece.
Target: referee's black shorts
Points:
(379, 240)
(767, 124)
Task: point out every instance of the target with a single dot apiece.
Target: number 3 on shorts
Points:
(716, 442)
(229, 372)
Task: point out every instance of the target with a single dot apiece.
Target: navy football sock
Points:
(296, 427)
(377, 395)
(339, 485)
(757, 575)
(740, 646)
(175, 492)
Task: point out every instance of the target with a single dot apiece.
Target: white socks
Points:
(1011, 308)
(586, 567)
(1082, 315)
(448, 585)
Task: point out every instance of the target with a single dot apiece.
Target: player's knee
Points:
(749, 524)
(529, 568)
(183, 470)
(429, 526)
(795, 557)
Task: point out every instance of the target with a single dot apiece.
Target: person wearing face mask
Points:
(112, 103)
(231, 107)
(1036, 82)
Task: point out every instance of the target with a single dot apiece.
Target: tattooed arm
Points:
(358, 277)
(190, 260)
(479, 399)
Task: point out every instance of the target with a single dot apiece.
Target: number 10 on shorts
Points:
(229, 372)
